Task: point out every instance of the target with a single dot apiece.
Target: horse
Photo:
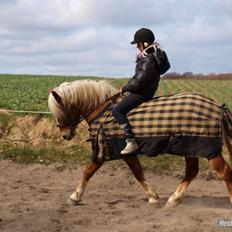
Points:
(71, 102)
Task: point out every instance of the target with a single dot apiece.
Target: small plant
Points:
(5, 119)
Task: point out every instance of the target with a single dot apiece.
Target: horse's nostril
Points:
(64, 137)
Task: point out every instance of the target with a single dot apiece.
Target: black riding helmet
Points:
(143, 35)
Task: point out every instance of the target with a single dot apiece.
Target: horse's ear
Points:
(57, 97)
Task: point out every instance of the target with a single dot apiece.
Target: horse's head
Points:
(72, 101)
(67, 116)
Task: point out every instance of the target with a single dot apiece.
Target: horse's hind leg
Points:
(224, 171)
(136, 168)
(228, 142)
(191, 170)
(90, 169)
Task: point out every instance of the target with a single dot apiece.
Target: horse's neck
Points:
(89, 106)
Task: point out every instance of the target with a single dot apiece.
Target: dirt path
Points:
(34, 198)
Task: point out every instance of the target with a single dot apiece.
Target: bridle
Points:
(72, 125)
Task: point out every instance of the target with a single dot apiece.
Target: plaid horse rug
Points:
(182, 124)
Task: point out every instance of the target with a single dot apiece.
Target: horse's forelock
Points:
(55, 107)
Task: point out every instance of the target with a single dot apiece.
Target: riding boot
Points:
(131, 144)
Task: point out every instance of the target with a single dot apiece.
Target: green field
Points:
(25, 92)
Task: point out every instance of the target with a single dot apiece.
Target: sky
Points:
(92, 37)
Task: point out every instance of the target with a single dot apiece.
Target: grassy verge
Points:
(44, 155)
(170, 163)
(77, 154)
(5, 119)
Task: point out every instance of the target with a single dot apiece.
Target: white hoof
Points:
(152, 200)
(173, 203)
(74, 199)
(170, 204)
(175, 199)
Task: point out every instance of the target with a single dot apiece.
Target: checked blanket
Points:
(182, 124)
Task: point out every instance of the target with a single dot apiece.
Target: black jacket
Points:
(146, 79)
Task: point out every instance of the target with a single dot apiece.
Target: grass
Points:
(5, 119)
(44, 155)
(28, 92)
(76, 154)
(164, 164)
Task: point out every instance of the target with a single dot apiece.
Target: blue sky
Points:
(92, 37)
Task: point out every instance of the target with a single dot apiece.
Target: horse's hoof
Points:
(72, 202)
(152, 200)
(73, 199)
(172, 204)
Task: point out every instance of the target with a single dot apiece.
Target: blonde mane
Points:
(82, 95)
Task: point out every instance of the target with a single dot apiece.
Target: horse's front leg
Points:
(136, 168)
(90, 169)
(192, 169)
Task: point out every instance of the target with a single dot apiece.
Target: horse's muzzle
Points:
(68, 135)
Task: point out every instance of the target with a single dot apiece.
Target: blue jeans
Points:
(122, 108)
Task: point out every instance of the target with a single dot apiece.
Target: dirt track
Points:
(34, 198)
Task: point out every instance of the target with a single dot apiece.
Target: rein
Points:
(90, 118)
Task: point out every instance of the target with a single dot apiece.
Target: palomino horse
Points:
(70, 102)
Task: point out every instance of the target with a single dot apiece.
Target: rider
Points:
(141, 87)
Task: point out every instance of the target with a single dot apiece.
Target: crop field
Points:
(25, 92)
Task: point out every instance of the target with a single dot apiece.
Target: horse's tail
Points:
(227, 126)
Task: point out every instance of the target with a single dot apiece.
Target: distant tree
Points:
(172, 75)
(199, 76)
(187, 75)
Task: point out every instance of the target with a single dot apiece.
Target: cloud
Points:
(92, 37)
